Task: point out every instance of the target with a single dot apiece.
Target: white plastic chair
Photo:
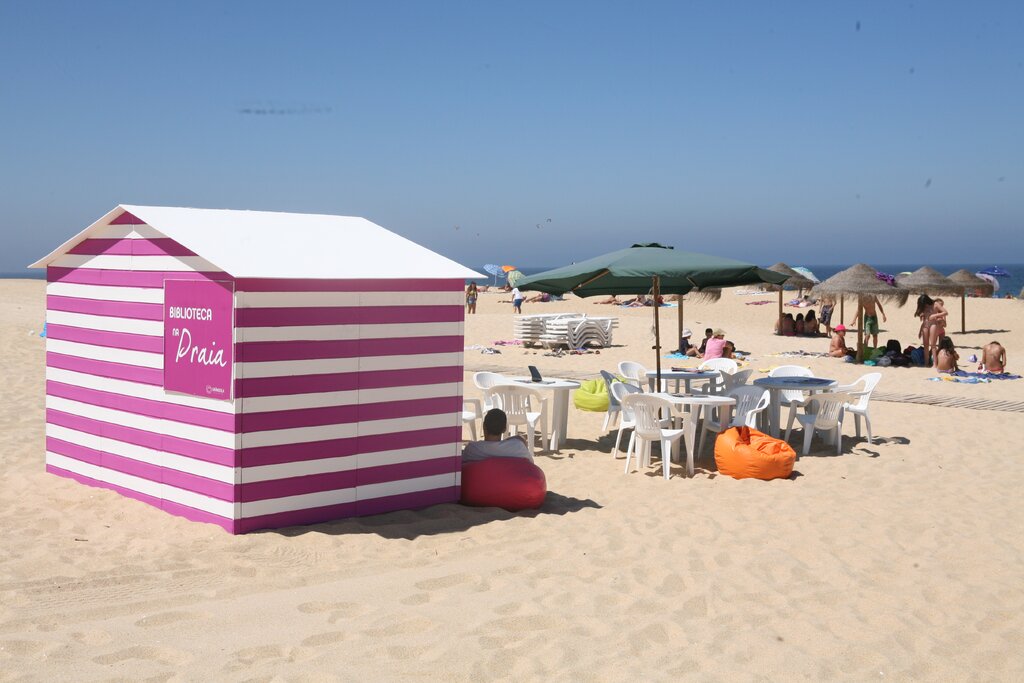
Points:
(471, 416)
(614, 408)
(647, 410)
(822, 412)
(523, 407)
(787, 396)
(634, 373)
(720, 364)
(627, 420)
(860, 391)
(486, 380)
(750, 403)
(726, 382)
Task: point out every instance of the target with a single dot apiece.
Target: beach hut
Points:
(254, 369)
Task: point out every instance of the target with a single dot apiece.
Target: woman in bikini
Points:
(937, 330)
(924, 311)
(946, 357)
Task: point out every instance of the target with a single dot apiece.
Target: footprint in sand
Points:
(165, 618)
(92, 638)
(337, 610)
(416, 599)
(163, 655)
(442, 582)
(326, 638)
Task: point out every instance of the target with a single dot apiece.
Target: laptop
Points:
(536, 377)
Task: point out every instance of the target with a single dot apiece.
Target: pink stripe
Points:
(152, 279)
(297, 486)
(126, 219)
(114, 340)
(144, 470)
(407, 501)
(120, 309)
(345, 381)
(409, 470)
(390, 285)
(295, 517)
(347, 315)
(139, 437)
(336, 448)
(102, 368)
(160, 246)
(349, 348)
(191, 514)
(348, 414)
(143, 406)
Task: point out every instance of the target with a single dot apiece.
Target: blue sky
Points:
(809, 132)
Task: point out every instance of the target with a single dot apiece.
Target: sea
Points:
(1014, 284)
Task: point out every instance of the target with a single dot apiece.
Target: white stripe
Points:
(220, 508)
(331, 332)
(262, 404)
(172, 461)
(146, 295)
(146, 391)
(305, 501)
(130, 232)
(127, 262)
(322, 366)
(345, 463)
(346, 430)
(213, 437)
(328, 299)
(140, 358)
(395, 488)
(150, 328)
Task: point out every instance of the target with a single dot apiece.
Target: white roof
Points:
(268, 244)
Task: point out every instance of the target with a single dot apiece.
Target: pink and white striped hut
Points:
(254, 369)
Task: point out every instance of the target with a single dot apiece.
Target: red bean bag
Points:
(742, 452)
(509, 483)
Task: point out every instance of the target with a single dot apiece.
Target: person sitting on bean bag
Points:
(493, 446)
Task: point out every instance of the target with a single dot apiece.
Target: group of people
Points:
(800, 326)
(714, 345)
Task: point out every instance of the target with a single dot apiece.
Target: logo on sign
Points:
(198, 331)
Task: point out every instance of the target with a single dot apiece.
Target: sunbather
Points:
(993, 358)
(946, 357)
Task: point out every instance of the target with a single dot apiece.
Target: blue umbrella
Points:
(494, 270)
(994, 271)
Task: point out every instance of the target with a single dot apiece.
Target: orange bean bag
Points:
(742, 453)
(510, 483)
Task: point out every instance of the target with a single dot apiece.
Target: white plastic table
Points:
(559, 389)
(680, 402)
(776, 385)
(686, 375)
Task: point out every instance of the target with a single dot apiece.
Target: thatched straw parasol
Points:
(861, 281)
(796, 279)
(927, 280)
(970, 282)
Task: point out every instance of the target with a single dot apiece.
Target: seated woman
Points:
(946, 358)
(786, 326)
(798, 325)
(811, 324)
(728, 350)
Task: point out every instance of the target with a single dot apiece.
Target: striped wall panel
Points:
(347, 392)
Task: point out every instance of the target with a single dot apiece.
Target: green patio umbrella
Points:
(648, 269)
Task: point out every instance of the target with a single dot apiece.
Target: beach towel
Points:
(960, 380)
(985, 375)
(757, 303)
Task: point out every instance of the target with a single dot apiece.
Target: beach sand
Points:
(899, 560)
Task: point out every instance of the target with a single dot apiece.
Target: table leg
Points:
(774, 410)
(559, 419)
(690, 437)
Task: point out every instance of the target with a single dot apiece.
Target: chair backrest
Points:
(870, 381)
(826, 409)
(736, 379)
(620, 390)
(486, 380)
(724, 365)
(514, 400)
(791, 371)
(749, 401)
(633, 372)
(609, 380)
(647, 411)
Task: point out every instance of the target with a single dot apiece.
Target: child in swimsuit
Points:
(946, 357)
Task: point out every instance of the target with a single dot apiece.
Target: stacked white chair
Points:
(564, 329)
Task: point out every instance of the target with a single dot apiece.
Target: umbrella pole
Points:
(963, 313)
(778, 323)
(860, 332)
(842, 308)
(656, 289)
(679, 335)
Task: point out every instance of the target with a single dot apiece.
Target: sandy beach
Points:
(898, 560)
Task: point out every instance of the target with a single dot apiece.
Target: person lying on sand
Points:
(614, 300)
(993, 358)
(493, 446)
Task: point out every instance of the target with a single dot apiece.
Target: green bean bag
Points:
(592, 395)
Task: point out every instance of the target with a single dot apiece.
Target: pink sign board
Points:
(198, 330)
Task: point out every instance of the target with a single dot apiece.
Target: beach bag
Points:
(893, 346)
(917, 356)
(901, 361)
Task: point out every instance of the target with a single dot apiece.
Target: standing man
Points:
(870, 304)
